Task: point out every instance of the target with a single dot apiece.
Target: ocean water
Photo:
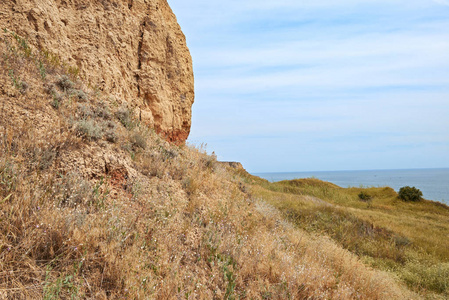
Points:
(434, 183)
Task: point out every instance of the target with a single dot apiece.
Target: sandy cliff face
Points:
(134, 50)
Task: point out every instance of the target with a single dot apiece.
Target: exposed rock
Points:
(134, 50)
(232, 164)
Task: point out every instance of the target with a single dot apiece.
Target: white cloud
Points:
(289, 76)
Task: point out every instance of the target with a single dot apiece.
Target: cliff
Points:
(135, 50)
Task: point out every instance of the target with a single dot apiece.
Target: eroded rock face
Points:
(133, 49)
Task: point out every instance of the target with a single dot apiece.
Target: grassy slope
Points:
(94, 205)
(409, 240)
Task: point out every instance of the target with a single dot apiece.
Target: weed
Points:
(64, 285)
(20, 85)
(435, 277)
(230, 277)
(57, 99)
(136, 189)
(73, 71)
(23, 43)
(8, 177)
(42, 70)
(51, 58)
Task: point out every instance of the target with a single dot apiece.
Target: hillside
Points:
(406, 239)
(94, 204)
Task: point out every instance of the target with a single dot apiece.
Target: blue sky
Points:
(285, 86)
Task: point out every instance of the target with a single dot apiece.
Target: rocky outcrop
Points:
(233, 164)
(134, 50)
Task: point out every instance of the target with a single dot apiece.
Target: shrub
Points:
(89, 129)
(102, 111)
(110, 136)
(85, 112)
(407, 193)
(401, 241)
(110, 133)
(125, 117)
(81, 95)
(8, 177)
(138, 140)
(364, 196)
(64, 82)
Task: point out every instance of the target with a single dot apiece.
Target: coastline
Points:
(434, 183)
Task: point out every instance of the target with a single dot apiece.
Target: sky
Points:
(320, 85)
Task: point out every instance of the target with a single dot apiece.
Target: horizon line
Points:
(357, 170)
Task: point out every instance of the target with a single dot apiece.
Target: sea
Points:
(434, 183)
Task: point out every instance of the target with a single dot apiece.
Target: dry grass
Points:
(135, 217)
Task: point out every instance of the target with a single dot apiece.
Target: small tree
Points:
(407, 193)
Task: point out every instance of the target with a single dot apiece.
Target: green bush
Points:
(364, 196)
(407, 193)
